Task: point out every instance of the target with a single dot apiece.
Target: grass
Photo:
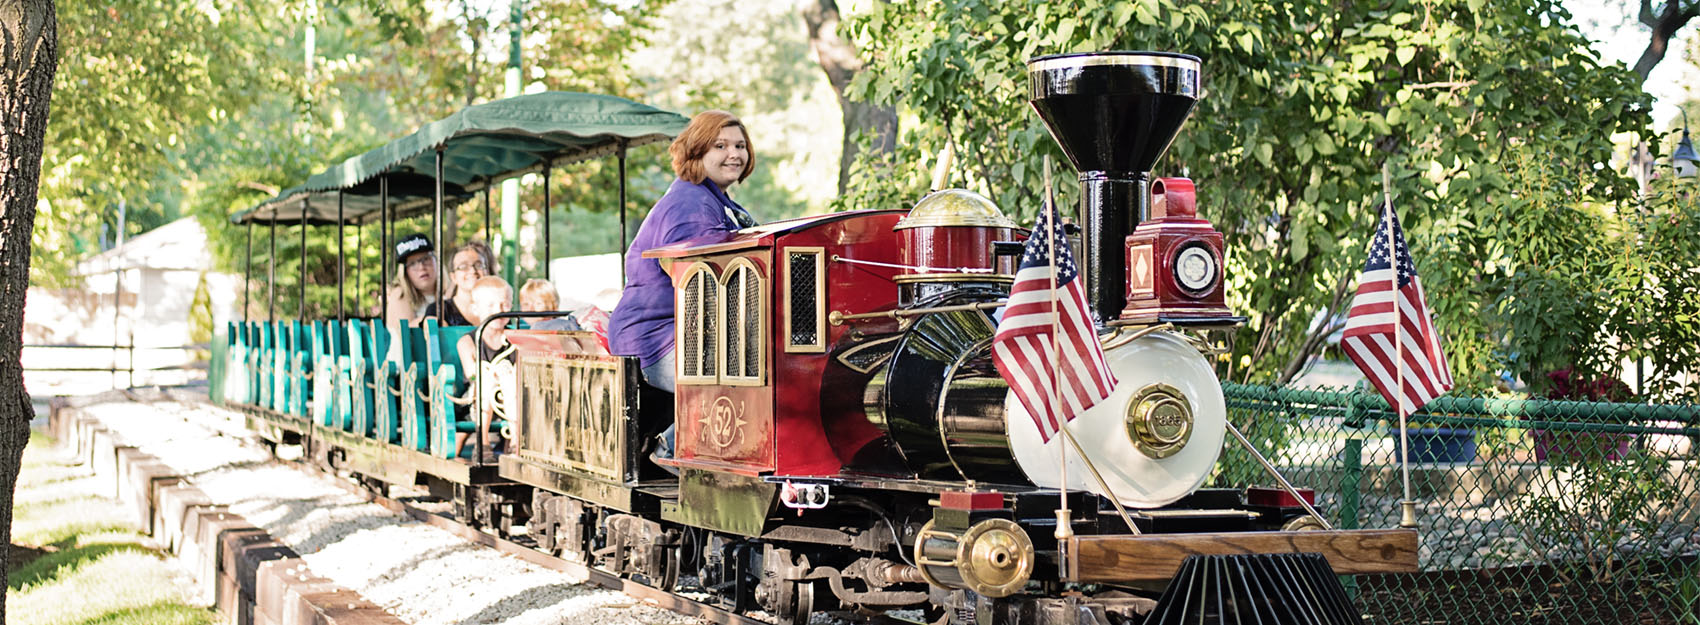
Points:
(76, 559)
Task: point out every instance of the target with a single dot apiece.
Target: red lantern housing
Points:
(1174, 261)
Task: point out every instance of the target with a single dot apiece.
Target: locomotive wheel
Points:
(501, 516)
(671, 554)
(802, 603)
(790, 598)
(569, 519)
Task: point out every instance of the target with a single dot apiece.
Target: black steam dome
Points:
(1114, 114)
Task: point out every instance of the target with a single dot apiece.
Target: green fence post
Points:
(1351, 483)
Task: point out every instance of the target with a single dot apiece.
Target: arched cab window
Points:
(721, 324)
(743, 310)
(698, 327)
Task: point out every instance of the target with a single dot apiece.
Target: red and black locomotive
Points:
(844, 439)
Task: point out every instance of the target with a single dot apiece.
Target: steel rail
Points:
(577, 571)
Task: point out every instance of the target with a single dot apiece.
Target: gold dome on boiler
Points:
(954, 207)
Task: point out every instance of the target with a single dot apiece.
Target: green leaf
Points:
(1065, 32)
(1300, 240)
(1404, 54)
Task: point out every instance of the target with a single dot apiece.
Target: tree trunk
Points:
(839, 60)
(28, 58)
(1665, 21)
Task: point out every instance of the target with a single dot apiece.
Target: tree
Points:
(1304, 103)
(838, 58)
(147, 74)
(1664, 21)
(29, 47)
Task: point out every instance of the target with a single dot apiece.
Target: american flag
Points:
(1388, 293)
(1054, 379)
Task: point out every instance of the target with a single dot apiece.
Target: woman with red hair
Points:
(712, 154)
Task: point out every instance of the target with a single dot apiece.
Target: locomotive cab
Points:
(752, 336)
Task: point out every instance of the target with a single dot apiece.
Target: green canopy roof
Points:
(482, 144)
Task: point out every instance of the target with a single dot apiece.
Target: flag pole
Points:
(1407, 506)
(1065, 523)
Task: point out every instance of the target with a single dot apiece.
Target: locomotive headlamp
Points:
(1195, 269)
(1174, 262)
(1159, 420)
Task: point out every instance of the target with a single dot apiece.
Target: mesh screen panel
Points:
(690, 347)
(710, 325)
(752, 323)
(803, 297)
(735, 285)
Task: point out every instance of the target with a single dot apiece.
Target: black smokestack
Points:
(1114, 114)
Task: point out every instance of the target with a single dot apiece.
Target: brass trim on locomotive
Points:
(1112, 59)
(788, 286)
(695, 348)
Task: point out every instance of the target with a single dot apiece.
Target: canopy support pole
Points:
(341, 262)
(442, 241)
(384, 248)
(271, 277)
(487, 219)
(247, 273)
(301, 307)
(359, 266)
(622, 154)
(548, 166)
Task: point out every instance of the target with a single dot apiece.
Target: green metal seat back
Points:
(268, 365)
(323, 397)
(410, 366)
(251, 337)
(447, 380)
(236, 371)
(360, 371)
(300, 378)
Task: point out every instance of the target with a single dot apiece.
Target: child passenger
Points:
(490, 357)
(539, 296)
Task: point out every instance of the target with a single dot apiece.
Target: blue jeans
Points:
(660, 375)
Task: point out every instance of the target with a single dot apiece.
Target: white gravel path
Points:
(421, 574)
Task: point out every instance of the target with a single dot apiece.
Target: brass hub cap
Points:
(1159, 420)
(995, 558)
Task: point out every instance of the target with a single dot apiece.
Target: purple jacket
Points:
(642, 323)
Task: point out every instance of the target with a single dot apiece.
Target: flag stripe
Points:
(1046, 345)
(1390, 306)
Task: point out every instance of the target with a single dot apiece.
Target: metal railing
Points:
(1532, 511)
(117, 361)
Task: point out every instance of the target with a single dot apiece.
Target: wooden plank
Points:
(1157, 557)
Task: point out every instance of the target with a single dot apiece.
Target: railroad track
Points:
(576, 571)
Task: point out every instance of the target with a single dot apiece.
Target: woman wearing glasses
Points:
(471, 262)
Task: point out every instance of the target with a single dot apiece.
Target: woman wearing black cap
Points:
(415, 286)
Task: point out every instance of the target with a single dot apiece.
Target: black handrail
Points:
(477, 338)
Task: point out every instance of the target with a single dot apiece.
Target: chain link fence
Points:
(1530, 511)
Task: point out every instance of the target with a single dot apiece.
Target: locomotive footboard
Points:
(1158, 557)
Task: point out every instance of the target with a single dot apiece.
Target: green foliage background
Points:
(1494, 119)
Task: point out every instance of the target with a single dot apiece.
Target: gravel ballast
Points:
(419, 573)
